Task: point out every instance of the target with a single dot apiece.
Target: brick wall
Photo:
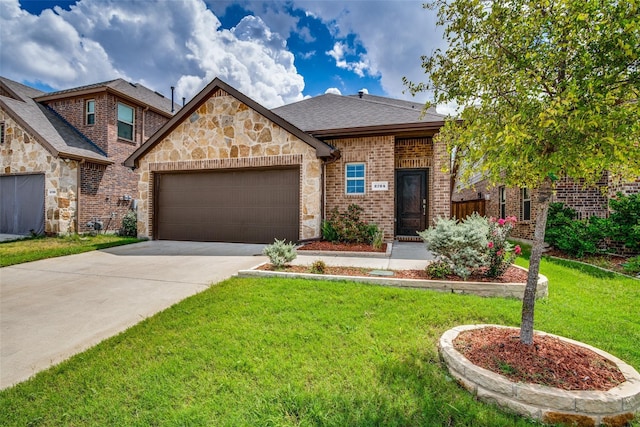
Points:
(440, 184)
(103, 188)
(378, 155)
(513, 204)
(587, 201)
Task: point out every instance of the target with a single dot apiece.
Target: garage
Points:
(254, 205)
(22, 204)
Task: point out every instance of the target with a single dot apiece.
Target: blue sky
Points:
(276, 52)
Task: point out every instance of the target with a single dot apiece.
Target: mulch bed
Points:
(322, 245)
(512, 275)
(549, 361)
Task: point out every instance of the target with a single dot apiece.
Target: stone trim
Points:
(615, 407)
(237, 163)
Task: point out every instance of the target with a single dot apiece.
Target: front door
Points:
(411, 201)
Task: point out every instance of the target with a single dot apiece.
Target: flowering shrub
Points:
(501, 252)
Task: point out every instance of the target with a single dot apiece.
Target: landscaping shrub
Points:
(129, 224)
(461, 245)
(576, 237)
(280, 253)
(625, 220)
(501, 252)
(438, 269)
(632, 265)
(347, 227)
(318, 267)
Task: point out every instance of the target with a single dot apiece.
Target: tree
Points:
(546, 88)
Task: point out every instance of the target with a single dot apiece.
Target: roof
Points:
(322, 149)
(332, 115)
(134, 92)
(48, 127)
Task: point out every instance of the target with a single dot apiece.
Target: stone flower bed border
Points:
(615, 407)
(484, 289)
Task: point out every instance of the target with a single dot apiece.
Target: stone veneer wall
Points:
(224, 133)
(21, 153)
(377, 153)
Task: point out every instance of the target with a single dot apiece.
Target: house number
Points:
(380, 186)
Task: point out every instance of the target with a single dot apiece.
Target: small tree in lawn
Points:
(547, 89)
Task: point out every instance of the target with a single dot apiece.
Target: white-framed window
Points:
(90, 111)
(125, 122)
(355, 178)
(502, 201)
(525, 204)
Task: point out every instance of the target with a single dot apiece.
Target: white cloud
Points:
(154, 42)
(364, 90)
(339, 53)
(333, 90)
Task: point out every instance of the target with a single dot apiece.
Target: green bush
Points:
(438, 269)
(129, 225)
(576, 237)
(347, 227)
(280, 253)
(625, 220)
(461, 245)
(318, 267)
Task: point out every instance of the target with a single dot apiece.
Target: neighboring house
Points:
(502, 201)
(62, 154)
(225, 168)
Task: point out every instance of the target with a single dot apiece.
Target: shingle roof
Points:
(51, 130)
(134, 91)
(335, 112)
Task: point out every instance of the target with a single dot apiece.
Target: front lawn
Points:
(273, 352)
(33, 249)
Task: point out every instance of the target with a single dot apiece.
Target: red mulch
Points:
(322, 245)
(549, 361)
(512, 275)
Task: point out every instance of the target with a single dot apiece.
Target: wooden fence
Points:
(461, 210)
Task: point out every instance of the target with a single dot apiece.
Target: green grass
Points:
(33, 249)
(273, 352)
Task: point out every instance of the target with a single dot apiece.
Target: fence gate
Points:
(461, 210)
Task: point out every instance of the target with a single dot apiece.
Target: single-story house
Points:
(225, 168)
(62, 154)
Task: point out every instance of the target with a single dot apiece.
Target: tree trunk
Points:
(529, 299)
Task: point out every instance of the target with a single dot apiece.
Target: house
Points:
(62, 154)
(500, 201)
(225, 168)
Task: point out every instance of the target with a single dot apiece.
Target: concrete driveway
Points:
(55, 308)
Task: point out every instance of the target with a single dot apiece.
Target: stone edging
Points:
(484, 289)
(385, 254)
(593, 266)
(615, 407)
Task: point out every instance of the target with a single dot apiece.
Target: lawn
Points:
(273, 352)
(33, 249)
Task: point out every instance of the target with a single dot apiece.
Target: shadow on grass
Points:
(583, 268)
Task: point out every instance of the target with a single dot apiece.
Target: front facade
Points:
(227, 169)
(68, 147)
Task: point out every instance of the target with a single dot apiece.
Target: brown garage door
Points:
(243, 205)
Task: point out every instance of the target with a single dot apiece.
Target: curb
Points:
(615, 407)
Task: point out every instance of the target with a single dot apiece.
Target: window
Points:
(354, 177)
(125, 122)
(90, 112)
(1, 132)
(502, 201)
(525, 208)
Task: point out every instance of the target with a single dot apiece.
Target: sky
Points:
(275, 52)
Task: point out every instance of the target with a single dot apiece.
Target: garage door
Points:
(243, 205)
(22, 204)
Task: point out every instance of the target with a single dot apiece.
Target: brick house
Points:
(62, 153)
(501, 201)
(225, 168)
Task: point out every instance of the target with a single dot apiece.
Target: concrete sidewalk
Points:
(404, 256)
(55, 308)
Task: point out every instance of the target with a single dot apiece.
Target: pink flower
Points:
(490, 245)
(499, 253)
(517, 250)
(501, 221)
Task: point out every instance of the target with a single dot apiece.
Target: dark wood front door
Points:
(411, 201)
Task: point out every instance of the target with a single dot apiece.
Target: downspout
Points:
(144, 114)
(78, 193)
